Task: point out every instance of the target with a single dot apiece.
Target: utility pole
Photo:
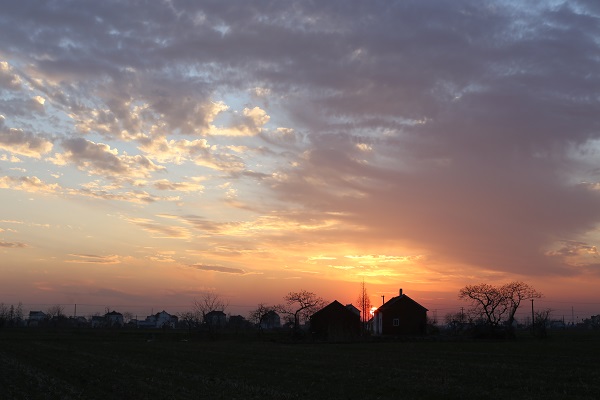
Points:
(532, 316)
(75, 312)
(382, 299)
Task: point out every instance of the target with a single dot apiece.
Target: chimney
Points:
(400, 291)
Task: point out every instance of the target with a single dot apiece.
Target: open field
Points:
(38, 364)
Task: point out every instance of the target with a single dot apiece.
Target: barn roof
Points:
(394, 300)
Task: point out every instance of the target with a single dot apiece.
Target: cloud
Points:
(100, 159)
(26, 144)
(8, 79)
(214, 268)
(30, 184)
(160, 231)
(249, 123)
(33, 184)
(94, 259)
(136, 196)
(12, 245)
(193, 186)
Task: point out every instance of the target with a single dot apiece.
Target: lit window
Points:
(396, 321)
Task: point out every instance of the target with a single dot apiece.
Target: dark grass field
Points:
(39, 364)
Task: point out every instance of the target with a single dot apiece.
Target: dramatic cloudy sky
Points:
(153, 151)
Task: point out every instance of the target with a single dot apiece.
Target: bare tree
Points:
(127, 316)
(487, 302)
(209, 301)
(514, 293)
(364, 304)
(540, 323)
(261, 312)
(300, 305)
(191, 319)
(11, 316)
(56, 311)
(496, 305)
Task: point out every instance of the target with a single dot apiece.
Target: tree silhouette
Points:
(209, 301)
(364, 304)
(300, 305)
(261, 312)
(514, 293)
(497, 304)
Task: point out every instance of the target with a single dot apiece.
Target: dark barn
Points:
(401, 315)
(335, 322)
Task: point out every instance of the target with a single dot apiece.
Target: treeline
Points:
(11, 315)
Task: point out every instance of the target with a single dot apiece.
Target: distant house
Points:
(335, 322)
(113, 318)
(36, 317)
(401, 315)
(270, 320)
(159, 320)
(215, 319)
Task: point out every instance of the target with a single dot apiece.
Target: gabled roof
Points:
(271, 314)
(216, 313)
(162, 312)
(352, 308)
(333, 306)
(391, 302)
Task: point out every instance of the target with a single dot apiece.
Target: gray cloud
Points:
(100, 159)
(21, 142)
(12, 245)
(214, 268)
(93, 259)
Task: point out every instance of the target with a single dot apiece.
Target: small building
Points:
(401, 315)
(215, 319)
(159, 320)
(114, 318)
(270, 320)
(335, 322)
(36, 317)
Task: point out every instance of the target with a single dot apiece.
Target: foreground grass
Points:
(36, 364)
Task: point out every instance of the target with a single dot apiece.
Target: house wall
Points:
(412, 319)
(335, 322)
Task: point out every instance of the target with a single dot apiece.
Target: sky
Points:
(155, 151)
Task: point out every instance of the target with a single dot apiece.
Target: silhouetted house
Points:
(36, 317)
(401, 315)
(335, 322)
(215, 319)
(270, 320)
(159, 320)
(114, 318)
(353, 309)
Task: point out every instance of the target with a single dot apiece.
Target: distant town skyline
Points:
(151, 152)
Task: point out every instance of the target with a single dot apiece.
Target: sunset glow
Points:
(152, 152)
